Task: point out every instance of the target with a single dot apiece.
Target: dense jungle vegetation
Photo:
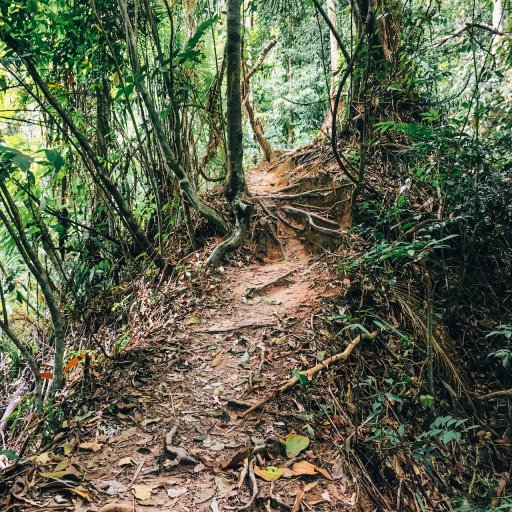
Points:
(152, 148)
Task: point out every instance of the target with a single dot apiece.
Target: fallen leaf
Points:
(116, 507)
(142, 492)
(176, 492)
(126, 461)
(199, 467)
(217, 359)
(310, 486)
(326, 496)
(334, 492)
(149, 421)
(69, 448)
(192, 320)
(245, 360)
(73, 361)
(42, 459)
(294, 444)
(110, 487)
(81, 491)
(214, 505)
(124, 436)
(324, 472)
(63, 464)
(54, 474)
(235, 460)
(270, 473)
(92, 446)
(303, 467)
(298, 500)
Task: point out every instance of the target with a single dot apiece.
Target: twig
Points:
(504, 393)
(254, 484)
(342, 356)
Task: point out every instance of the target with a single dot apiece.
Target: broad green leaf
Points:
(55, 158)
(294, 444)
(9, 454)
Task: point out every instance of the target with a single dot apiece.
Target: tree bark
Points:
(235, 186)
(335, 63)
(235, 178)
(256, 126)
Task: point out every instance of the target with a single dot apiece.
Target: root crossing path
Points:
(165, 429)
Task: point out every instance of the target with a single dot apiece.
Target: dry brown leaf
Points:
(93, 446)
(82, 491)
(298, 500)
(176, 492)
(303, 468)
(217, 359)
(142, 492)
(324, 472)
(334, 492)
(235, 460)
(125, 461)
(310, 486)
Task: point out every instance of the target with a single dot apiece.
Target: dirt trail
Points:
(246, 338)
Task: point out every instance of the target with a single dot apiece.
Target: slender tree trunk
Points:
(498, 22)
(335, 63)
(35, 266)
(100, 176)
(248, 102)
(235, 178)
(186, 185)
(235, 184)
(38, 385)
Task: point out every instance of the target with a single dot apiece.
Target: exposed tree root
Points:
(311, 220)
(342, 356)
(242, 217)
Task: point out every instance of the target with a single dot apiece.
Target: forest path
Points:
(247, 334)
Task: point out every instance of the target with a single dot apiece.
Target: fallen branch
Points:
(342, 356)
(504, 393)
(178, 454)
(219, 330)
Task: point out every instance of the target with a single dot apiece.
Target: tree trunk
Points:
(335, 63)
(35, 266)
(235, 185)
(498, 22)
(235, 178)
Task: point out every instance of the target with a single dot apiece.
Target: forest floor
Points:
(193, 360)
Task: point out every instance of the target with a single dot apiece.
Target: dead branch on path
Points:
(342, 356)
(219, 330)
(504, 393)
(179, 455)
